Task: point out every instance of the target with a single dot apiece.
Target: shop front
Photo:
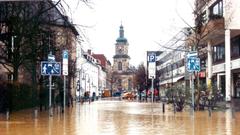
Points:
(236, 85)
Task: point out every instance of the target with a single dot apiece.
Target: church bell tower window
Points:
(119, 65)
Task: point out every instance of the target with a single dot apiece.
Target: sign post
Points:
(50, 68)
(51, 58)
(193, 64)
(50, 96)
(152, 69)
(65, 72)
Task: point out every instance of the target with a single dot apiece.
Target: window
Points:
(129, 84)
(235, 47)
(203, 63)
(204, 17)
(216, 10)
(119, 65)
(219, 53)
(119, 82)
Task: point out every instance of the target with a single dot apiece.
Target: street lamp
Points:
(12, 48)
(85, 78)
(12, 39)
(172, 92)
(78, 89)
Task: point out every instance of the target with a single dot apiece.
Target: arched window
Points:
(129, 84)
(119, 65)
(119, 82)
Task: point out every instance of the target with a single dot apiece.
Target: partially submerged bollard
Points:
(35, 113)
(209, 111)
(7, 115)
(163, 107)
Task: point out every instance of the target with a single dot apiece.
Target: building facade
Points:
(102, 72)
(40, 23)
(221, 45)
(122, 75)
(171, 64)
(88, 75)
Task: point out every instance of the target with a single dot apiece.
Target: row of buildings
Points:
(30, 30)
(216, 39)
(97, 75)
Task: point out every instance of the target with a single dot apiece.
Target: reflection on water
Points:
(121, 118)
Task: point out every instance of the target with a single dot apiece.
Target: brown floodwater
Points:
(122, 118)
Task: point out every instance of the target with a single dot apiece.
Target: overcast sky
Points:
(145, 22)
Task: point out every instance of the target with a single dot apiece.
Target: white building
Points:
(171, 62)
(222, 44)
(88, 75)
(102, 81)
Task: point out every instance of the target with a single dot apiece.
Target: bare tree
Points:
(140, 78)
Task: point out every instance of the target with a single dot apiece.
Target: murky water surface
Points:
(122, 118)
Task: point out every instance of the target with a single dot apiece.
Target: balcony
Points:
(213, 29)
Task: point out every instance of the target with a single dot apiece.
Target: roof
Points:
(121, 37)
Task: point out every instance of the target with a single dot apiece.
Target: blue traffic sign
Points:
(151, 57)
(50, 68)
(193, 64)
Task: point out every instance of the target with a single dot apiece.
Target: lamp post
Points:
(173, 93)
(85, 78)
(12, 39)
(78, 89)
(12, 49)
(174, 98)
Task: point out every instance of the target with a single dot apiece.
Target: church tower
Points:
(121, 58)
(122, 73)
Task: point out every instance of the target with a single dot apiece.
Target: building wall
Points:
(222, 67)
(102, 80)
(125, 64)
(231, 14)
(89, 79)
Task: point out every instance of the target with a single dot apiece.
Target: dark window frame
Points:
(218, 53)
(219, 6)
(119, 65)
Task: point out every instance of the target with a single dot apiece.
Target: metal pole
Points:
(152, 89)
(50, 96)
(89, 91)
(64, 92)
(79, 85)
(85, 87)
(12, 44)
(192, 81)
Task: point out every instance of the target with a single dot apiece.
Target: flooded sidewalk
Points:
(122, 118)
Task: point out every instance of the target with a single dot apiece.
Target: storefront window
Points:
(236, 85)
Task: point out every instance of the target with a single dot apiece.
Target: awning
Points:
(173, 80)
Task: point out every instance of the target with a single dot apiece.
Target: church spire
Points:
(121, 32)
(121, 37)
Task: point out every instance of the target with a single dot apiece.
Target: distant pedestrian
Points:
(93, 96)
(71, 99)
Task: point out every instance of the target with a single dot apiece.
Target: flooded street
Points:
(121, 118)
